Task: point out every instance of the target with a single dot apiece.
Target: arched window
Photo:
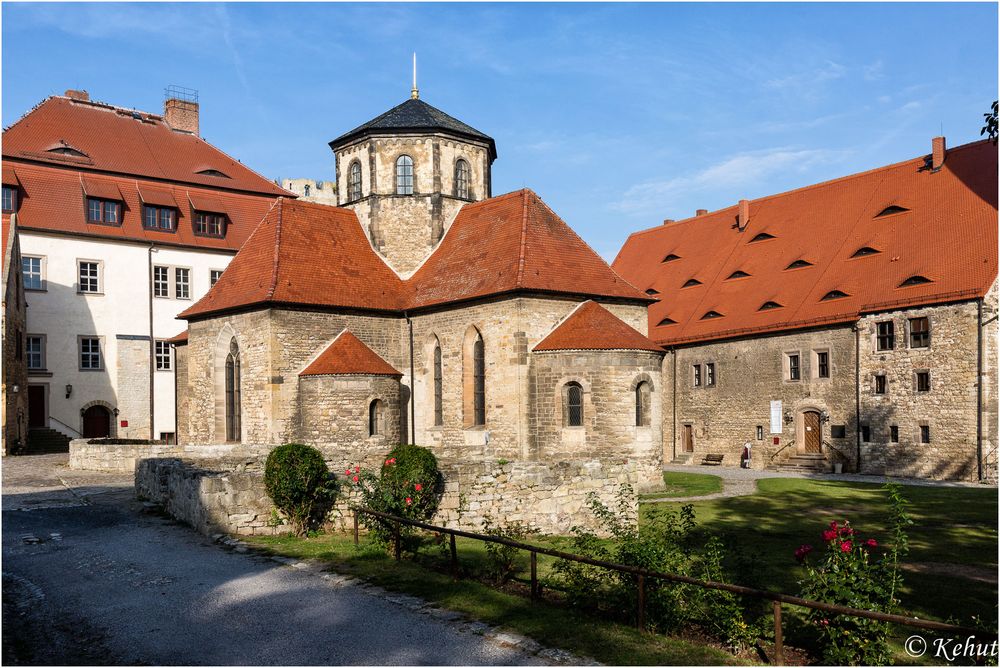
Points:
(642, 405)
(438, 402)
(473, 379)
(354, 182)
(479, 381)
(573, 415)
(375, 418)
(404, 175)
(462, 179)
(233, 392)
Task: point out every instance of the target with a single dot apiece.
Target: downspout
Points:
(152, 343)
(413, 386)
(176, 401)
(857, 392)
(673, 412)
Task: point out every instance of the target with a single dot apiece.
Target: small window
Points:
(711, 315)
(652, 291)
(354, 182)
(214, 172)
(31, 273)
(162, 355)
(66, 149)
(915, 280)
(710, 374)
(798, 264)
(161, 281)
(213, 276)
(90, 276)
(763, 236)
(925, 433)
(881, 384)
(739, 273)
(671, 257)
(35, 348)
(574, 405)
(822, 364)
(834, 294)
(838, 431)
(182, 283)
(865, 250)
(885, 338)
(438, 387)
(462, 179)
(794, 369)
(90, 354)
(9, 199)
(696, 378)
(893, 434)
(666, 321)
(866, 433)
(760, 432)
(923, 381)
(103, 211)
(691, 282)
(158, 218)
(642, 405)
(767, 306)
(168, 437)
(305, 190)
(209, 224)
(404, 175)
(920, 332)
(889, 210)
(375, 418)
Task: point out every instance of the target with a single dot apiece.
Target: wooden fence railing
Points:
(642, 574)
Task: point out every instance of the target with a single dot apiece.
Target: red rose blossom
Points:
(829, 535)
(355, 478)
(833, 525)
(409, 500)
(871, 542)
(845, 546)
(347, 472)
(418, 487)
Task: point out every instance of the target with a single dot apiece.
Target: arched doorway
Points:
(812, 437)
(96, 422)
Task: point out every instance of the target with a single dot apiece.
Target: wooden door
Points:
(812, 433)
(688, 438)
(36, 406)
(96, 422)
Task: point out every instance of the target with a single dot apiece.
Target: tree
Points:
(990, 129)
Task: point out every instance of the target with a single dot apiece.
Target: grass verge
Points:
(678, 484)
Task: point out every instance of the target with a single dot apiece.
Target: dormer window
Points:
(652, 292)
(462, 179)
(212, 172)
(62, 148)
(915, 280)
(891, 209)
(767, 306)
(866, 250)
(208, 224)
(691, 282)
(104, 211)
(739, 273)
(666, 321)
(711, 315)
(834, 294)
(354, 182)
(9, 199)
(671, 257)
(798, 264)
(763, 236)
(404, 175)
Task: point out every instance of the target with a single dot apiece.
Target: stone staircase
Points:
(682, 458)
(802, 463)
(42, 440)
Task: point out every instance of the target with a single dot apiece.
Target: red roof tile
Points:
(948, 234)
(349, 355)
(112, 139)
(592, 327)
(179, 340)
(317, 255)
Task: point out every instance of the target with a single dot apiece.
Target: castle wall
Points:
(334, 409)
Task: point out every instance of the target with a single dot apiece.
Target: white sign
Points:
(776, 418)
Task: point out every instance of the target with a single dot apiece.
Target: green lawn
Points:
(685, 484)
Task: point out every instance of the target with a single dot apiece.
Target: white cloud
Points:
(828, 72)
(873, 72)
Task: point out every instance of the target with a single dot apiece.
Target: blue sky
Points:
(618, 115)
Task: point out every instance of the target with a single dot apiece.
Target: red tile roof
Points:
(948, 234)
(592, 327)
(112, 139)
(317, 255)
(179, 340)
(349, 355)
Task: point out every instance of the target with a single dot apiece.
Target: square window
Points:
(103, 211)
(90, 276)
(710, 374)
(893, 434)
(90, 354)
(794, 369)
(697, 375)
(161, 282)
(35, 345)
(920, 332)
(168, 437)
(880, 384)
(182, 283)
(9, 199)
(838, 431)
(925, 433)
(31, 272)
(162, 354)
(213, 276)
(886, 335)
(158, 218)
(209, 224)
(923, 381)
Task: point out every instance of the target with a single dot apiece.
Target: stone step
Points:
(42, 440)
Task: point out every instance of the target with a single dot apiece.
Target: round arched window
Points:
(404, 175)
(354, 182)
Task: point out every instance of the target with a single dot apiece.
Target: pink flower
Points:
(355, 478)
(347, 472)
(409, 500)
(357, 469)
(800, 554)
(845, 546)
(418, 487)
(871, 542)
(829, 535)
(388, 461)
(824, 622)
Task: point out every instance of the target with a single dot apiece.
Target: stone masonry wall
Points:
(132, 369)
(334, 409)
(182, 398)
(991, 402)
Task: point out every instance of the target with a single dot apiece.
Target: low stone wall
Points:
(121, 458)
(227, 495)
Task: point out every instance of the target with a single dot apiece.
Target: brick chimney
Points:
(743, 218)
(80, 95)
(667, 221)
(701, 212)
(180, 111)
(937, 153)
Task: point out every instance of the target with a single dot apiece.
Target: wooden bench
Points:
(712, 460)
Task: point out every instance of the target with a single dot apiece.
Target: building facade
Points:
(312, 190)
(117, 237)
(15, 369)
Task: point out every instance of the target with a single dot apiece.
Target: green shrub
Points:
(300, 485)
(502, 559)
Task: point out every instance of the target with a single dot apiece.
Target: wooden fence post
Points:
(779, 649)
(534, 575)
(355, 527)
(641, 621)
(454, 557)
(398, 546)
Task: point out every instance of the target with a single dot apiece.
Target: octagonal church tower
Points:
(406, 174)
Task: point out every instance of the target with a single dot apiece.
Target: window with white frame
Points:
(213, 276)
(161, 281)
(32, 272)
(793, 364)
(90, 354)
(90, 276)
(162, 354)
(182, 283)
(710, 374)
(35, 348)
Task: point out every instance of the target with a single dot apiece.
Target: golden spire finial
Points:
(414, 93)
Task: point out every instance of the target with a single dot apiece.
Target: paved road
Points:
(89, 578)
